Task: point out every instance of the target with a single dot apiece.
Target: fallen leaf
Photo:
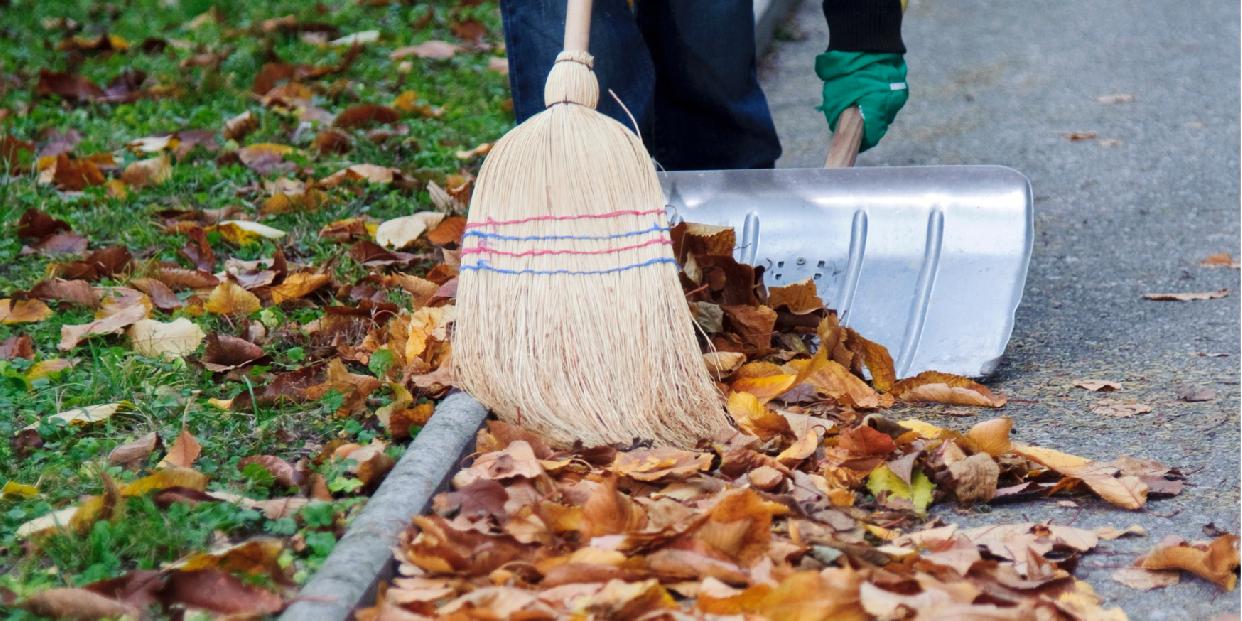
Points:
(991, 436)
(1098, 385)
(72, 291)
(1220, 259)
(134, 451)
(754, 418)
(1079, 136)
(363, 115)
(480, 150)
(17, 346)
(918, 492)
(798, 298)
(219, 592)
(1186, 297)
(382, 175)
(13, 489)
(1192, 393)
(724, 362)
(225, 353)
(658, 464)
(1216, 562)
(298, 285)
(264, 157)
(242, 232)
(230, 299)
(448, 231)
(401, 232)
(430, 49)
(87, 415)
(936, 387)
(1128, 492)
(74, 603)
(23, 311)
(240, 126)
(363, 37)
(153, 171)
(173, 339)
(282, 471)
(499, 65)
(1119, 409)
(71, 335)
(184, 451)
(974, 478)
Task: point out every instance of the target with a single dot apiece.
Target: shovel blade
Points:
(929, 261)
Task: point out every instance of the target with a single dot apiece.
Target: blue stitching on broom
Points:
(485, 267)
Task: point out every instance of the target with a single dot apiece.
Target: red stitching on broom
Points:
(538, 253)
(610, 214)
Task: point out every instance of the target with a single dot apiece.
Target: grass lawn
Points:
(199, 66)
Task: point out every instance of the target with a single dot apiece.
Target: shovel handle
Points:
(577, 25)
(843, 149)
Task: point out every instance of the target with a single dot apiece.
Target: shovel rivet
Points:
(801, 261)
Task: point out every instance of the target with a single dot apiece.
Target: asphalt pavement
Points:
(1131, 211)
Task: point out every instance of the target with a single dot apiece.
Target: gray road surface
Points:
(1128, 213)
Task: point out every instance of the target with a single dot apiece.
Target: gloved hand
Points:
(875, 82)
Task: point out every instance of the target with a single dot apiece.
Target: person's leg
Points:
(534, 35)
(709, 110)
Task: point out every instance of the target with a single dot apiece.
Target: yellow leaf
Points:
(243, 232)
(13, 489)
(87, 415)
(173, 339)
(830, 379)
(927, 431)
(918, 492)
(164, 479)
(23, 311)
(44, 523)
(229, 298)
(47, 368)
(298, 285)
(754, 418)
(401, 232)
(259, 556)
(765, 388)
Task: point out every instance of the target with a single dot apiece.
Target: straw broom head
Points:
(571, 320)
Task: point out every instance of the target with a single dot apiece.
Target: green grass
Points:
(166, 394)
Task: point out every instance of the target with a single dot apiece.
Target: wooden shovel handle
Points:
(844, 147)
(577, 25)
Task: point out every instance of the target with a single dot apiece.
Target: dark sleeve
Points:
(864, 25)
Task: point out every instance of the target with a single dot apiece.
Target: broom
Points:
(571, 321)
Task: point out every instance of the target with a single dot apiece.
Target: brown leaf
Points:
(363, 115)
(225, 353)
(184, 451)
(430, 49)
(1079, 136)
(216, 591)
(739, 526)
(799, 298)
(198, 250)
(936, 387)
(371, 254)
(161, 296)
(660, 463)
(608, 511)
(72, 87)
(17, 346)
(134, 451)
(11, 153)
(70, 603)
(68, 173)
(1186, 297)
(991, 436)
(1119, 409)
(1220, 259)
(332, 141)
(34, 225)
(1216, 562)
(281, 470)
(265, 157)
(1098, 385)
(71, 335)
(754, 418)
(73, 291)
(152, 171)
(177, 278)
(240, 126)
(974, 478)
(60, 244)
(754, 324)
(834, 381)
(448, 231)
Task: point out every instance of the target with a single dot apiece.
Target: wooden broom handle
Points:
(844, 147)
(577, 25)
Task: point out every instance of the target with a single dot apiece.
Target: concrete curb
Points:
(768, 15)
(363, 557)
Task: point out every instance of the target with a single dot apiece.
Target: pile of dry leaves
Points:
(815, 509)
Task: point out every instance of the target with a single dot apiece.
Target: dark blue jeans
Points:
(685, 69)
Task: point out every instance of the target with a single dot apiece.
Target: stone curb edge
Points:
(363, 556)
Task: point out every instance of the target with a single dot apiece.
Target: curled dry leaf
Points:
(1187, 297)
(991, 436)
(240, 126)
(382, 175)
(264, 157)
(936, 387)
(1216, 562)
(1098, 385)
(282, 471)
(134, 451)
(75, 603)
(1128, 492)
(1220, 259)
(152, 171)
(798, 298)
(173, 339)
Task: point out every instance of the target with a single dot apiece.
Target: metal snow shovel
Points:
(930, 261)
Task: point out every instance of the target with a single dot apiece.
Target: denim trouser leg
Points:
(709, 110)
(535, 34)
(685, 69)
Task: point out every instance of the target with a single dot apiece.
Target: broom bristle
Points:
(571, 320)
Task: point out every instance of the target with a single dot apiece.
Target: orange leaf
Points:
(750, 414)
(298, 285)
(23, 311)
(991, 436)
(1216, 562)
(765, 388)
(183, 452)
(228, 298)
(800, 297)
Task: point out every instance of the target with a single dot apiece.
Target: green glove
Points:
(876, 83)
